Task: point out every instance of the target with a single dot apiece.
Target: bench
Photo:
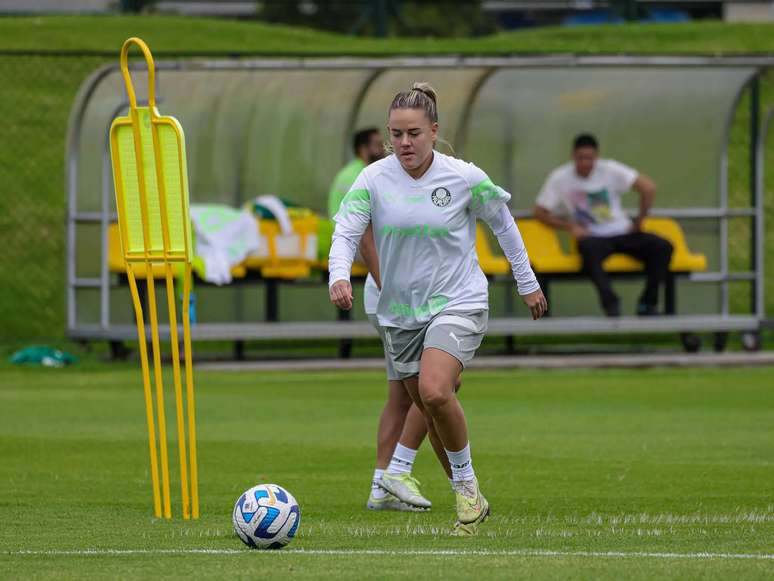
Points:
(290, 259)
(281, 259)
(298, 256)
(551, 261)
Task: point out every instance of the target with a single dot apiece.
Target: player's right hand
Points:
(578, 232)
(537, 304)
(341, 294)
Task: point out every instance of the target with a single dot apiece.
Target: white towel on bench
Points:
(224, 237)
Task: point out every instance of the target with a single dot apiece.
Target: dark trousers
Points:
(653, 251)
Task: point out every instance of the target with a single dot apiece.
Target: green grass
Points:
(655, 461)
(174, 34)
(39, 91)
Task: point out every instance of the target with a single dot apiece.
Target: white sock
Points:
(402, 460)
(376, 491)
(461, 464)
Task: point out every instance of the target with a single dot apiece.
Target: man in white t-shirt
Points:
(583, 197)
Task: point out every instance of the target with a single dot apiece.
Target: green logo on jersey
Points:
(391, 198)
(434, 306)
(418, 231)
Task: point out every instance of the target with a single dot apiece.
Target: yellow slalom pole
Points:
(147, 389)
(151, 184)
(190, 391)
(173, 341)
(159, 389)
(173, 337)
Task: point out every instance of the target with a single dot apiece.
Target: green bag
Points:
(42, 355)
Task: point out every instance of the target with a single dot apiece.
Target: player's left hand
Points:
(537, 303)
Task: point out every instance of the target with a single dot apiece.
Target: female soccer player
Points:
(434, 301)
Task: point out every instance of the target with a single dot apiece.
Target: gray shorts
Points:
(458, 334)
(392, 375)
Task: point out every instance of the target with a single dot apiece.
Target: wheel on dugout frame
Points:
(691, 342)
(751, 341)
(720, 341)
(266, 517)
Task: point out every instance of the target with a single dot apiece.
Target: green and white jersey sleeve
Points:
(352, 209)
(352, 219)
(425, 233)
(486, 198)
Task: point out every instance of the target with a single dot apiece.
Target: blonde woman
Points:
(434, 302)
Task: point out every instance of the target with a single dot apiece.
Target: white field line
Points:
(394, 553)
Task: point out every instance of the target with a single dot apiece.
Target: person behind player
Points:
(368, 147)
(433, 305)
(402, 426)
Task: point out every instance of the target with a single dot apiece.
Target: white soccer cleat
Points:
(405, 488)
(390, 502)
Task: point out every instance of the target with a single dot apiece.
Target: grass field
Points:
(176, 34)
(612, 474)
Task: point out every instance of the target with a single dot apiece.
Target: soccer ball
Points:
(266, 517)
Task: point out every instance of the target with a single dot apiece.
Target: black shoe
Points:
(644, 310)
(613, 311)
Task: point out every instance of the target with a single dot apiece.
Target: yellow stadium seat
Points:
(548, 257)
(545, 250)
(490, 263)
(683, 260)
(284, 256)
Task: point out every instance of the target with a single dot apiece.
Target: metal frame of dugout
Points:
(102, 326)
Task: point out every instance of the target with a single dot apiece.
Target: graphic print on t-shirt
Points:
(591, 207)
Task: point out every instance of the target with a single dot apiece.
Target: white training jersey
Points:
(425, 233)
(370, 295)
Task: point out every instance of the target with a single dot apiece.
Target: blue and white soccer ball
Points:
(266, 517)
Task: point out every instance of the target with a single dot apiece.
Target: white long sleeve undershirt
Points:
(342, 254)
(508, 236)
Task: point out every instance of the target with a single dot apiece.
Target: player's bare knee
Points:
(435, 400)
(433, 392)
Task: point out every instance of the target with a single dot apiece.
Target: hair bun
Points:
(420, 96)
(425, 88)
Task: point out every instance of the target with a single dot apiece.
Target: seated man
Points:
(368, 147)
(584, 197)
